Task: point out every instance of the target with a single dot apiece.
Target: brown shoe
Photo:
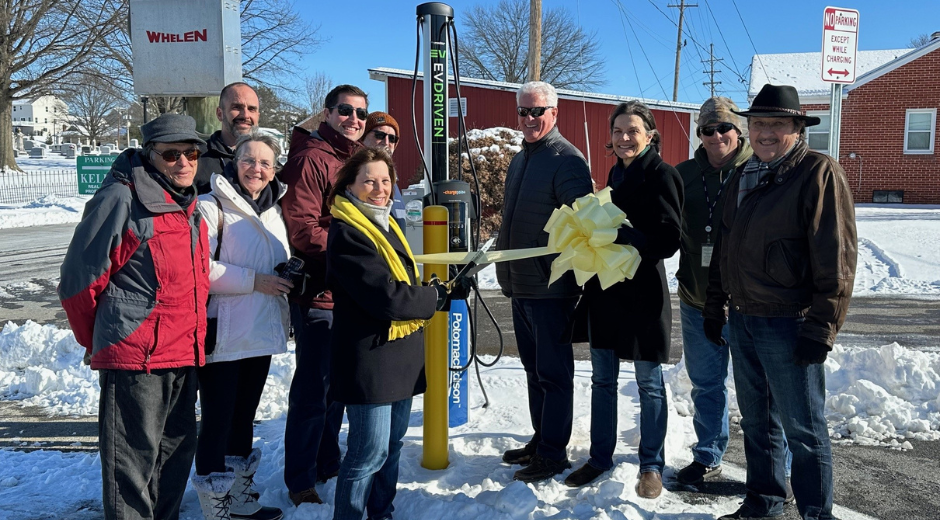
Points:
(650, 485)
(307, 496)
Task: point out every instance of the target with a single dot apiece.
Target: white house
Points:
(40, 117)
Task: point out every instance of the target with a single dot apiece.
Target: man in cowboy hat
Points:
(784, 264)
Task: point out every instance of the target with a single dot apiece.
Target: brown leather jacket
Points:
(790, 248)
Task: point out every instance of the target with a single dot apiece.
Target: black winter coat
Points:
(545, 175)
(215, 157)
(634, 317)
(367, 368)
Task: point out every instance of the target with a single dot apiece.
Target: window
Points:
(919, 130)
(817, 137)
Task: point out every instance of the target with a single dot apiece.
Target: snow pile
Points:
(51, 209)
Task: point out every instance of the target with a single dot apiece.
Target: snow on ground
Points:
(51, 209)
(874, 396)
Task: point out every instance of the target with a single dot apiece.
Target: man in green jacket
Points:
(723, 150)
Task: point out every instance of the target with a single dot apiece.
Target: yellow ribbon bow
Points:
(584, 235)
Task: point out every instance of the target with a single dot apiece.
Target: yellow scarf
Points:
(346, 211)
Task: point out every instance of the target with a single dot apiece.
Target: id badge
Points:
(707, 254)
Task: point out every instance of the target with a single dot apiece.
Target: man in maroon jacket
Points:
(311, 439)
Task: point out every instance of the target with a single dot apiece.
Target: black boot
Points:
(521, 455)
(541, 468)
(583, 475)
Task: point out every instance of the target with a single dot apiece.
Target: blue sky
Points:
(370, 33)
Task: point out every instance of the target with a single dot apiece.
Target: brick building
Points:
(888, 142)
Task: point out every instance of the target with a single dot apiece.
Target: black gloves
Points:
(443, 299)
(461, 288)
(628, 236)
(809, 352)
(712, 328)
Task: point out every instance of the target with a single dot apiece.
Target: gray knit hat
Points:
(171, 128)
(718, 110)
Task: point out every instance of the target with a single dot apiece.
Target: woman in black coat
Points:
(379, 310)
(632, 319)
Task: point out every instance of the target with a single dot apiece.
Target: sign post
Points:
(92, 169)
(839, 53)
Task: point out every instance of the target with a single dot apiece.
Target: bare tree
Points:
(279, 111)
(92, 106)
(494, 46)
(45, 44)
(274, 39)
(920, 40)
(318, 86)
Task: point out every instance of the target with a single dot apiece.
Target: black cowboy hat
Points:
(778, 101)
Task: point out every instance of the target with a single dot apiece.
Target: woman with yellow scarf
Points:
(379, 311)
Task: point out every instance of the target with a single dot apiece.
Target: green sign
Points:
(92, 170)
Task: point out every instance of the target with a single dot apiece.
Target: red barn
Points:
(490, 104)
(888, 142)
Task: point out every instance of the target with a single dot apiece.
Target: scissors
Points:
(476, 263)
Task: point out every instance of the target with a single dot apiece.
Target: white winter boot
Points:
(214, 498)
(245, 499)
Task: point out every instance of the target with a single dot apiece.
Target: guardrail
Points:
(18, 187)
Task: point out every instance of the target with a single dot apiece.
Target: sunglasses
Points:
(721, 128)
(171, 156)
(345, 109)
(535, 111)
(380, 135)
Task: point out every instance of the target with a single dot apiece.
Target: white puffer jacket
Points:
(251, 323)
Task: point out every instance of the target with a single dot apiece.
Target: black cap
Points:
(778, 101)
(171, 128)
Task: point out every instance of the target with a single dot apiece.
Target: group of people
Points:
(196, 255)
(765, 230)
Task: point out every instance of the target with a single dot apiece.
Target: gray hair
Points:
(259, 136)
(538, 88)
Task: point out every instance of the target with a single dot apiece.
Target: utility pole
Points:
(711, 69)
(535, 40)
(682, 7)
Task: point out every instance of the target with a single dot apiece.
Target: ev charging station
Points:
(446, 213)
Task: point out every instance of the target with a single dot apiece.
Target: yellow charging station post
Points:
(436, 367)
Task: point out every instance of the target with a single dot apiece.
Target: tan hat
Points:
(718, 110)
(377, 119)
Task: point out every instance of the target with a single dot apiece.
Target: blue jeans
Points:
(147, 440)
(707, 365)
(776, 396)
(654, 411)
(549, 370)
(368, 477)
(311, 436)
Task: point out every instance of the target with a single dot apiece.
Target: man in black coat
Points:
(549, 172)
(238, 113)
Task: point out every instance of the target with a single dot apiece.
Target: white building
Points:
(41, 117)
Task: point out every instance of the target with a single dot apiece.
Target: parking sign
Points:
(92, 170)
(839, 45)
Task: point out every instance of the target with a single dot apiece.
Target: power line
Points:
(711, 70)
(728, 47)
(682, 7)
(759, 61)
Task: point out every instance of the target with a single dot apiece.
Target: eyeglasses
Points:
(721, 128)
(535, 111)
(380, 135)
(171, 156)
(250, 162)
(345, 109)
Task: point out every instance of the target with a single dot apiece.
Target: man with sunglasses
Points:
(134, 285)
(382, 132)
(238, 112)
(311, 439)
(547, 173)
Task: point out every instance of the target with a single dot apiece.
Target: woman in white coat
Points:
(249, 303)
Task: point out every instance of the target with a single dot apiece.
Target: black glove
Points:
(443, 299)
(628, 236)
(809, 352)
(461, 288)
(712, 328)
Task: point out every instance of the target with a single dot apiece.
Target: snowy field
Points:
(875, 396)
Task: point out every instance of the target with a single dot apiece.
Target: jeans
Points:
(368, 477)
(605, 367)
(229, 393)
(147, 439)
(549, 368)
(707, 365)
(775, 396)
(311, 436)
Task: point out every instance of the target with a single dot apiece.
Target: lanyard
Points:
(711, 204)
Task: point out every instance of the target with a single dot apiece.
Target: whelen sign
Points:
(185, 47)
(839, 45)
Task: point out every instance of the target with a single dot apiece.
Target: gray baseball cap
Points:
(171, 128)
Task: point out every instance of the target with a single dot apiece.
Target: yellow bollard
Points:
(436, 366)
